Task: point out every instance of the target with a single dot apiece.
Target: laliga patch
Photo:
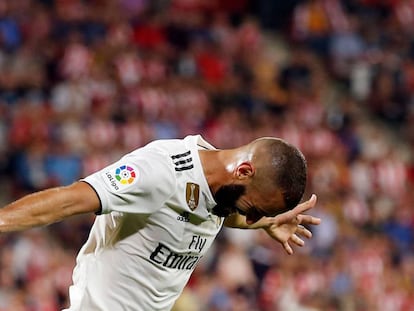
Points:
(121, 176)
(125, 174)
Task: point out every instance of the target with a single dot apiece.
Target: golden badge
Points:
(192, 194)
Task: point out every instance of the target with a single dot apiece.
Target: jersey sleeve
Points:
(140, 182)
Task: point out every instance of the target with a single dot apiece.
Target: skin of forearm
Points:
(46, 207)
(239, 221)
(38, 209)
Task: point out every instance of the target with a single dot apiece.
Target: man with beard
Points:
(159, 209)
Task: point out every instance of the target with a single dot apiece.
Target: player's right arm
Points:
(49, 206)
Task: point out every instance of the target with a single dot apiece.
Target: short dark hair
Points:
(288, 170)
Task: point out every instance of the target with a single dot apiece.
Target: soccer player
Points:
(159, 209)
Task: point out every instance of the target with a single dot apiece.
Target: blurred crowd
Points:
(83, 82)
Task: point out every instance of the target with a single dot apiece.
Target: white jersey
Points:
(156, 224)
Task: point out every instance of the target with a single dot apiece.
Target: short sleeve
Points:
(140, 182)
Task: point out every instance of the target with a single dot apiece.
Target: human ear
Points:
(245, 170)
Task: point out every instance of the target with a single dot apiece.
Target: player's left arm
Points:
(285, 228)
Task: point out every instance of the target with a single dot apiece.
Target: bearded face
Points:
(226, 198)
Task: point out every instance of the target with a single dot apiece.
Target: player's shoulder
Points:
(170, 146)
(177, 154)
(174, 148)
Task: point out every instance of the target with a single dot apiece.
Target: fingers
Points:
(288, 248)
(295, 214)
(294, 239)
(301, 230)
(308, 220)
(303, 207)
(297, 240)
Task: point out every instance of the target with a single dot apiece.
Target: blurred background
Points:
(84, 81)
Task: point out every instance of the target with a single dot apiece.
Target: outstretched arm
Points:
(284, 228)
(48, 206)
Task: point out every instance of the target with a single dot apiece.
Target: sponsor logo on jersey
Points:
(192, 195)
(184, 216)
(164, 256)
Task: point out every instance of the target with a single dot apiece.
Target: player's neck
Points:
(215, 167)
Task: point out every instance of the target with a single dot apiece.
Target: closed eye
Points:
(253, 213)
(241, 212)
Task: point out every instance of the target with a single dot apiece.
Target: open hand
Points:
(288, 227)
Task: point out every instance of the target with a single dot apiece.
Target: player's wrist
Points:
(262, 223)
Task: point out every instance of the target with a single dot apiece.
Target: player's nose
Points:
(252, 218)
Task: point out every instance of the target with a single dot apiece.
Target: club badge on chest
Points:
(192, 195)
